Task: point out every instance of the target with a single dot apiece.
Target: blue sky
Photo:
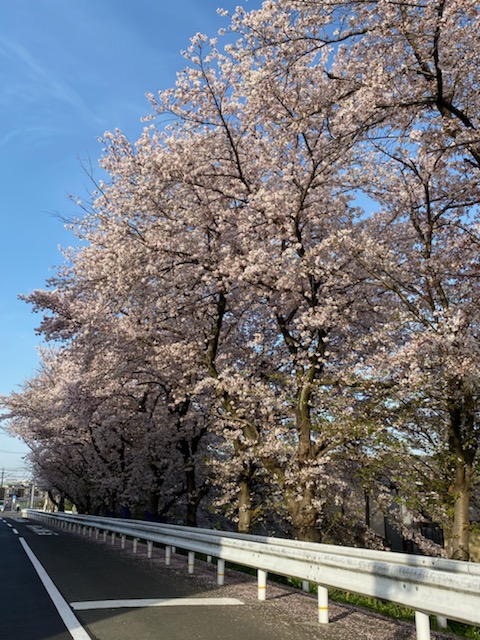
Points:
(69, 70)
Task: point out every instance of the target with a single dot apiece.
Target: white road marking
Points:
(15, 531)
(41, 531)
(162, 602)
(69, 619)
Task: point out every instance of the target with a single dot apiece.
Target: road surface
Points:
(103, 593)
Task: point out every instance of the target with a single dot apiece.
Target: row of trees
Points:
(275, 295)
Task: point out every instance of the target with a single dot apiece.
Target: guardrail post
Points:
(422, 624)
(135, 544)
(220, 572)
(168, 555)
(191, 561)
(442, 622)
(113, 537)
(124, 537)
(149, 548)
(105, 533)
(322, 604)
(262, 584)
(97, 533)
(306, 586)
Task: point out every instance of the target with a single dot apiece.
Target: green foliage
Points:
(397, 612)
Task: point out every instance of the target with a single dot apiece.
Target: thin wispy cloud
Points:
(30, 81)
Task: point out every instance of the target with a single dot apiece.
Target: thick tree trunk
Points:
(463, 448)
(459, 542)
(188, 449)
(153, 500)
(302, 511)
(304, 516)
(244, 506)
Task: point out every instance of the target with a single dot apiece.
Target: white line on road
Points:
(41, 531)
(15, 531)
(162, 602)
(69, 619)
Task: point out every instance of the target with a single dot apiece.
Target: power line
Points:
(13, 452)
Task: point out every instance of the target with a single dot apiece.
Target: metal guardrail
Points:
(430, 586)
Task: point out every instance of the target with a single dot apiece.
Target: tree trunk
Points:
(153, 500)
(302, 511)
(244, 506)
(459, 543)
(192, 503)
(463, 448)
(304, 516)
(188, 449)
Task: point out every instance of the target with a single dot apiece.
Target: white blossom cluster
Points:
(274, 309)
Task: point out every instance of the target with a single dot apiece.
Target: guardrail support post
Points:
(168, 555)
(191, 561)
(262, 584)
(220, 572)
(442, 622)
(97, 533)
(105, 533)
(135, 545)
(113, 537)
(306, 586)
(422, 624)
(322, 604)
(124, 537)
(149, 548)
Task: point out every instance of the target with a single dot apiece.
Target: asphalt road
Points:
(26, 609)
(93, 579)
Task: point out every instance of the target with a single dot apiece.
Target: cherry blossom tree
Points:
(413, 70)
(270, 181)
(281, 271)
(407, 97)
